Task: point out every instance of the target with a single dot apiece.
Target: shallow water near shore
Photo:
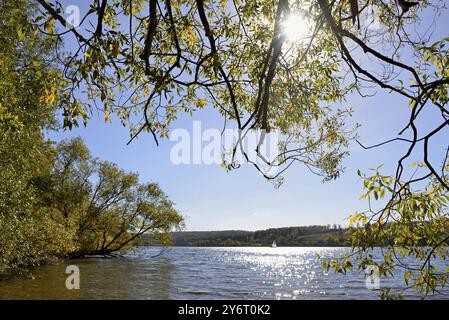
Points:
(202, 273)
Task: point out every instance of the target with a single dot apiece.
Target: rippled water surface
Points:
(200, 273)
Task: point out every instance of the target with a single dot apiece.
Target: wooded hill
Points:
(290, 236)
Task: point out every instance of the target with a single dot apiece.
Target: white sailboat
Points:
(273, 245)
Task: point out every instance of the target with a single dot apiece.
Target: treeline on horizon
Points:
(300, 236)
(297, 236)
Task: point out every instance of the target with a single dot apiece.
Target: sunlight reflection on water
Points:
(200, 273)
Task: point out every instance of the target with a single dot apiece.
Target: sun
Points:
(296, 27)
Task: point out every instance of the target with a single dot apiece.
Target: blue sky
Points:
(212, 199)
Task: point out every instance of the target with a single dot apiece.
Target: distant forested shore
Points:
(300, 236)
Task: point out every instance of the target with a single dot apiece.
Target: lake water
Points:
(200, 273)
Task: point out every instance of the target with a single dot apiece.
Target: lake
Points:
(200, 273)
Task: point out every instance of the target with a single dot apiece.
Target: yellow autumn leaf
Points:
(190, 36)
(201, 103)
(106, 114)
(48, 98)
